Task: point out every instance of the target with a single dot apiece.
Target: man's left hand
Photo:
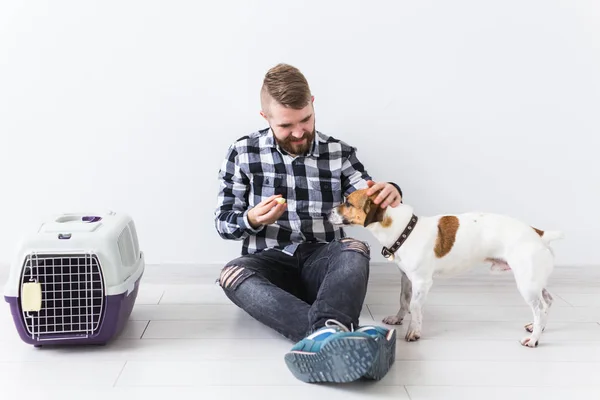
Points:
(388, 194)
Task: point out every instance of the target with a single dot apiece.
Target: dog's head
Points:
(358, 209)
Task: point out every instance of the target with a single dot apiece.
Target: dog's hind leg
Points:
(547, 297)
(531, 275)
(540, 314)
(405, 296)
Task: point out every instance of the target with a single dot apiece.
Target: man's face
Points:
(294, 130)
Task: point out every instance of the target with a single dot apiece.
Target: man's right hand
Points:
(266, 212)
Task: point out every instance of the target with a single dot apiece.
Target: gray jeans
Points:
(295, 295)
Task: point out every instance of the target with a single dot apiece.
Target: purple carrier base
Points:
(117, 311)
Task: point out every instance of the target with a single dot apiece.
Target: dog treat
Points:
(280, 200)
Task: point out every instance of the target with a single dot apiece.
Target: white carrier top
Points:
(110, 236)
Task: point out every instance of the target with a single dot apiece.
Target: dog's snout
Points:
(334, 217)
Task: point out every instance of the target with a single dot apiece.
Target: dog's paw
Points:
(529, 327)
(528, 342)
(392, 320)
(412, 335)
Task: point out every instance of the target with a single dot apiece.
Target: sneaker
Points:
(332, 354)
(386, 350)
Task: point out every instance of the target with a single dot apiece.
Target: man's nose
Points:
(298, 133)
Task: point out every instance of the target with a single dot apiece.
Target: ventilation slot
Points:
(126, 248)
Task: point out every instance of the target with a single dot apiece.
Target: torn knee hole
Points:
(229, 275)
(355, 245)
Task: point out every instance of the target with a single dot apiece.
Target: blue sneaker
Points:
(386, 350)
(332, 354)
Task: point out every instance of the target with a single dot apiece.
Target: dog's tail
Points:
(549, 236)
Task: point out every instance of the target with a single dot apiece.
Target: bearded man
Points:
(297, 273)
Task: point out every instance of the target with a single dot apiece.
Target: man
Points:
(298, 274)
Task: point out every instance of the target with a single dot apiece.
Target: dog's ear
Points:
(373, 211)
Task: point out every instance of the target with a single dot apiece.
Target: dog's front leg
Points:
(420, 289)
(405, 296)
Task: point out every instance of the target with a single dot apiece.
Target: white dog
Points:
(424, 247)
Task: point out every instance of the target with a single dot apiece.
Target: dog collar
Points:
(389, 253)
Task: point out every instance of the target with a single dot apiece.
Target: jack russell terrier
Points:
(447, 245)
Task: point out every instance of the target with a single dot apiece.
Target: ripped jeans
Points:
(295, 295)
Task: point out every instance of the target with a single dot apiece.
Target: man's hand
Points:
(266, 212)
(388, 194)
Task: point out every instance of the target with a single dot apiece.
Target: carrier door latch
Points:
(31, 297)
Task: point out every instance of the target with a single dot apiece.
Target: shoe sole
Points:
(386, 356)
(339, 361)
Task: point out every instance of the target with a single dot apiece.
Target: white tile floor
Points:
(185, 339)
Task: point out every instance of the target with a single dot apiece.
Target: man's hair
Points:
(287, 86)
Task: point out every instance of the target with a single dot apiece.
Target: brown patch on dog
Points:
(387, 222)
(447, 228)
(360, 209)
(373, 211)
(538, 231)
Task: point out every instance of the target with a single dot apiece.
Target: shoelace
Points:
(331, 322)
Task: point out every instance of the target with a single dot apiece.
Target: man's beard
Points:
(291, 144)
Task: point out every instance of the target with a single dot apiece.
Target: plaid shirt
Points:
(256, 167)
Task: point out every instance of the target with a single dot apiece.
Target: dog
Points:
(448, 245)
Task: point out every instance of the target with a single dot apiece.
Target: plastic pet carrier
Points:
(75, 280)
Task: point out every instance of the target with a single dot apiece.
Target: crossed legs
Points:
(296, 295)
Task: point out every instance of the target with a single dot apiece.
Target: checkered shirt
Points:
(256, 168)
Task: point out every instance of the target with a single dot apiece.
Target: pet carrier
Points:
(75, 280)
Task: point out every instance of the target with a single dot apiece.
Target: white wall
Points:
(130, 105)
